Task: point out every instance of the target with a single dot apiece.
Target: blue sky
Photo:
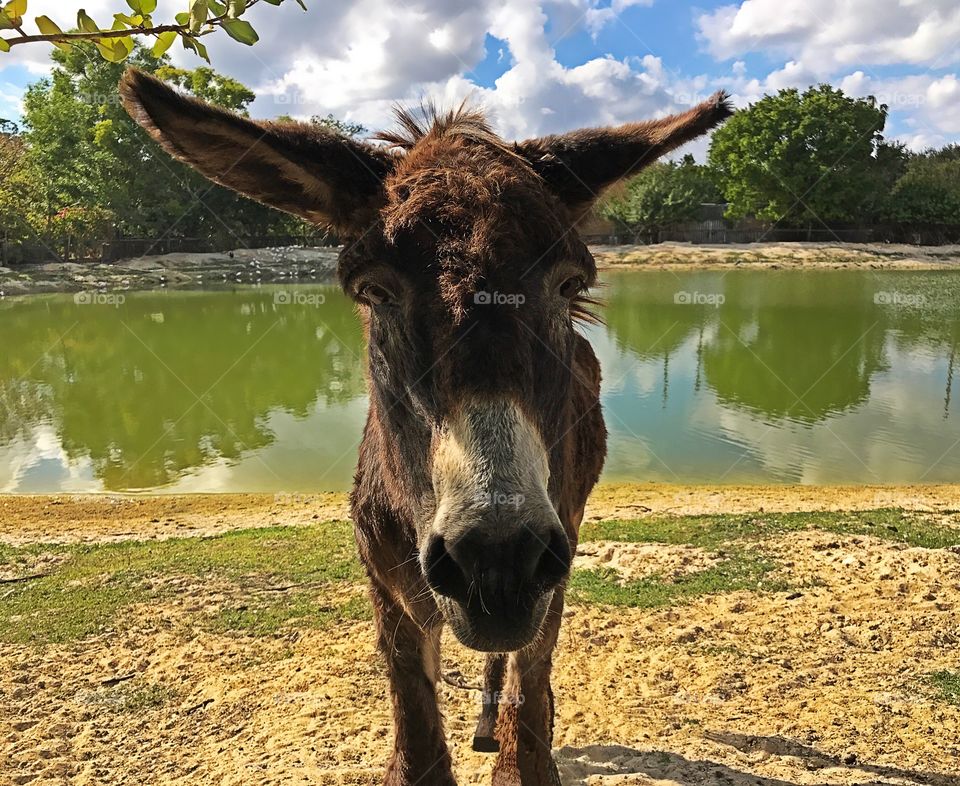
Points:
(549, 65)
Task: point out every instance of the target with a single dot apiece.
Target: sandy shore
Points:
(69, 519)
(780, 256)
(823, 683)
(318, 265)
(176, 271)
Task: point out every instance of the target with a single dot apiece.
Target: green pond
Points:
(816, 377)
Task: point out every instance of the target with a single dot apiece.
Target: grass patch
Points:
(745, 570)
(947, 684)
(128, 697)
(92, 585)
(714, 531)
(302, 610)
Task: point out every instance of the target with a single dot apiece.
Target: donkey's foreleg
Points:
(412, 654)
(484, 739)
(525, 722)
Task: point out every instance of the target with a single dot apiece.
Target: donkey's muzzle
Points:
(495, 591)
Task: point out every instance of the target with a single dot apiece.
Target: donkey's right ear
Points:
(303, 169)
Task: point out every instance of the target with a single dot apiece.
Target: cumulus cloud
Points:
(434, 52)
(927, 106)
(356, 60)
(826, 35)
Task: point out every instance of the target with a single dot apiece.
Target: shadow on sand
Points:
(577, 765)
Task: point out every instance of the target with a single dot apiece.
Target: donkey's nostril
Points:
(554, 562)
(442, 572)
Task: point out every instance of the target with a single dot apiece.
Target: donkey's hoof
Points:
(485, 743)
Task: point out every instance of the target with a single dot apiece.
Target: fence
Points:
(918, 236)
(730, 235)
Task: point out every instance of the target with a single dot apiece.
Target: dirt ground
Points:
(819, 686)
(317, 265)
(873, 256)
(112, 517)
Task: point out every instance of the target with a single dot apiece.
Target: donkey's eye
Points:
(375, 295)
(571, 287)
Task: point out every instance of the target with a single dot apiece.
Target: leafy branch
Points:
(115, 43)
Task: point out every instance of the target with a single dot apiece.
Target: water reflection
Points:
(819, 377)
(166, 383)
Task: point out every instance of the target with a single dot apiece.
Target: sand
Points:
(822, 685)
(318, 265)
(111, 517)
(798, 256)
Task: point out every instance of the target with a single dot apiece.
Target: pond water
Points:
(816, 377)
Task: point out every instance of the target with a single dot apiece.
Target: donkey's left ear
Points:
(311, 172)
(578, 166)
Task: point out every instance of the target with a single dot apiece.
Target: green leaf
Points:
(198, 14)
(129, 21)
(196, 46)
(4, 46)
(241, 31)
(85, 23)
(164, 42)
(235, 8)
(183, 18)
(216, 7)
(302, 4)
(16, 8)
(113, 49)
(48, 27)
(6, 23)
(143, 6)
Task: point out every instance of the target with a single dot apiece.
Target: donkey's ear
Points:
(578, 166)
(303, 169)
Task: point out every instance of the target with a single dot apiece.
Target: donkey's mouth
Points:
(500, 630)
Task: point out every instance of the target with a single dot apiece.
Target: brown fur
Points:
(447, 209)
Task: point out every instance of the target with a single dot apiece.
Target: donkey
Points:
(484, 434)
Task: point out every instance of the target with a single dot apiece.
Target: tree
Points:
(661, 195)
(331, 123)
(802, 158)
(16, 186)
(339, 126)
(116, 43)
(928, 194)
(89, 155)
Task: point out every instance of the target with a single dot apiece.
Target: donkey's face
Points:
(460, 252)
(469, 285)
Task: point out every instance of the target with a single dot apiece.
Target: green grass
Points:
(742, 570)
(279, 578)
(94, 584)
(298, 610)
(714, 531)
(947, 684)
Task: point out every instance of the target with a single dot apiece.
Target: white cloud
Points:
(928, 106)
(405, 55)
(826, 34)
(357, 59)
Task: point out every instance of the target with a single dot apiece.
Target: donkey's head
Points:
(461, 254)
